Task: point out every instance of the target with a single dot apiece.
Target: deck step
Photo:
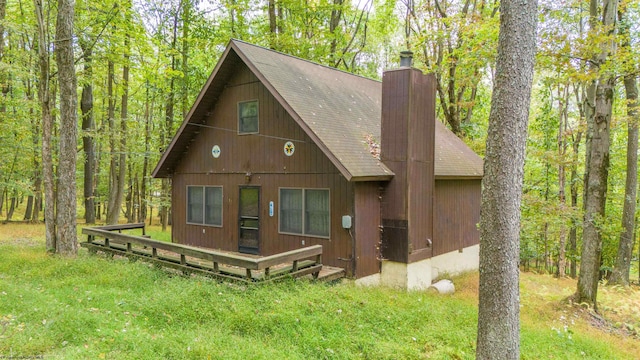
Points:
(331, 273)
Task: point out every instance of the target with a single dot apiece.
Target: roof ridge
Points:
(304, 60)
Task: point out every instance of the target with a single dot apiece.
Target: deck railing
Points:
(215, 263)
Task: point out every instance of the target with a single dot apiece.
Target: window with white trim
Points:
(204, 205)
(305, 212)
(248, 117)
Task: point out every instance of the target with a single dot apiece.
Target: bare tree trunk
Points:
(336, 15)
(67, 243)
(596, 173)
(113, 207)
(5, 192)
(124, 113)
(37, 204)
(147, 149)
(620, 274)
(498, 310)
(573, 233)
(47, 129)
(32, 200)
(3, 11)
(563, 99)
(580, 94)
(12, 206)
(29, 209)
(273, 21)
(99, 202)
(88, 131)
(130, 198)
(169, 114)
(186, 21)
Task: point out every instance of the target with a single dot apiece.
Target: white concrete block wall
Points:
(419, 275)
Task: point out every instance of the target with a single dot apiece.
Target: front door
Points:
(249, 220)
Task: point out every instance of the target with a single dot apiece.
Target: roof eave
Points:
(458, 177)
(372, 178)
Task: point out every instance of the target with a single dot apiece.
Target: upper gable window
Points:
(248, 117)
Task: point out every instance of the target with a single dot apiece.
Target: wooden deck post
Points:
(249, 274)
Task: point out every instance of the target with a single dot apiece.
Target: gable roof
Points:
(336, 109)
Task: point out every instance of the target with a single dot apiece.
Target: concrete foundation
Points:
(371, 280)
(420, 274)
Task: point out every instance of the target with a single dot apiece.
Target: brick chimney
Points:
(407, 148)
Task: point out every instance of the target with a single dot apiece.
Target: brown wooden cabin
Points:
(278, 153)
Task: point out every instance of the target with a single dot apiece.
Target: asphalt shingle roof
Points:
(338, 110)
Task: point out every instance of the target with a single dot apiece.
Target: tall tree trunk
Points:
(3, 11)
(130, 198)
(9, 178)
(563, 99)
(88, 127)
(44, 96)
(620, 274)
(573, 233)
(113, 207)
(147, 149)
(67, 242)
(124, 113)
(186, 21)
(579, 92)
(99, 202)
(498, 309)
(32, 200)
(37, 203)
(169, 114)
(336, 15)
(12, 206)
(597, 171)
(273, 27)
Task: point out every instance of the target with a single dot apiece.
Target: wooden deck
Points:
(214, 263)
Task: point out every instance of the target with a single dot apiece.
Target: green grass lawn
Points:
(94, 307)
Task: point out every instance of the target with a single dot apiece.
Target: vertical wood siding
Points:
(263, 157)
(367, 228)
(420, 168)
(407, 148)
(457, 204)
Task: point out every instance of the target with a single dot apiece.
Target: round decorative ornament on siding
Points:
(215, 151)
(289, 148)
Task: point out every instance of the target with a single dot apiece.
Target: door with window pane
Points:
(249, 220)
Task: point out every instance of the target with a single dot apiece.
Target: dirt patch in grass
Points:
(618, 315)
(22, 234)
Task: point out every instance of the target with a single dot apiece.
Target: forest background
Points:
(140, 65)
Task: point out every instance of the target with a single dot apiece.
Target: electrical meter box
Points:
(346, 222)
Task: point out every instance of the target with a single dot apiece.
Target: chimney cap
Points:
(406, 58)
